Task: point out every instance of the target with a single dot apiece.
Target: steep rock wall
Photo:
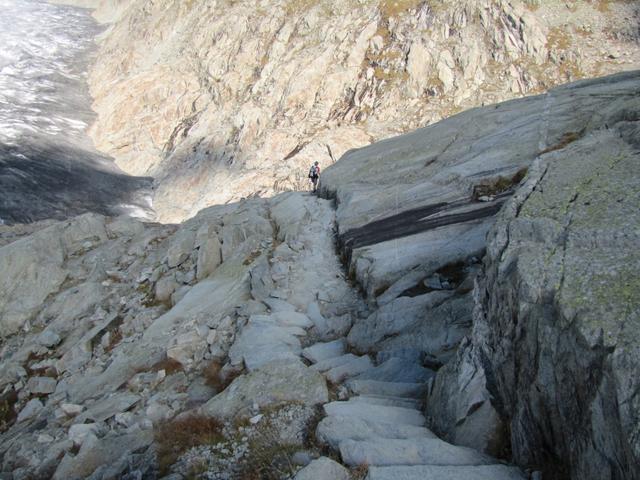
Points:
(554, 345)
(548, 372)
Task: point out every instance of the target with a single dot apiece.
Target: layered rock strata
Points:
(547, 371)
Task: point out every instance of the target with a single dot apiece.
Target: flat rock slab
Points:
(107, 408)
(285, 318)
(278, 382)
(350, 369)
(398, 370)
(96, 452)
(323, 469)
(325, 350)
(329, 363)
(388, 401)
(395, 389)
(334, 429)
(376, 413)
(415, 451)
(430, 472)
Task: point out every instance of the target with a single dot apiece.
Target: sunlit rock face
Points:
(219, 100)
(48, 166)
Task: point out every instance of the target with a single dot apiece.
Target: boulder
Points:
(42, 385)
(324, 351)
(32, 269)
(209, 256)
(96, 452)
(30, 410)
(323, 468)
(275, 383)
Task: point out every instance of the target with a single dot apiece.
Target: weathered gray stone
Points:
(49, 338)
(415, 451)
(377, 413)
(108, 407)
(323, 351)
(30, 410)
(332, 362)
(432, 472)
(396, 389)
(80, 431)
(71, 409)
(95, 452)
(398, 370)
(388, 401)
(323, 469)
(349, 369)
(42, 385)
(393, 318)
(275, 383)
(335, 428)
(209, 256)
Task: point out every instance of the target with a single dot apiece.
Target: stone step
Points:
(376, 413)
(415, 451)
(349, 369)
(388, 401)
(325, 350)
(334, 429)
(265, 354)
(394, 389)
(329, 363)
(432, 472)
(398, 370)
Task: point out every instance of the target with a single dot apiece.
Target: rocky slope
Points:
(235, 344)
(549, 371)
(223, 100)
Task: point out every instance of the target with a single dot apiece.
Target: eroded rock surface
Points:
(242, 319)
(221, 100)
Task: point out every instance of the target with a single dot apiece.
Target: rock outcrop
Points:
(554, 345)
(223, 100)
(548, 369)
(236, 341)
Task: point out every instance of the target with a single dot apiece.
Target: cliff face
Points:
(548, 373)
(226, 99)
(554, 345)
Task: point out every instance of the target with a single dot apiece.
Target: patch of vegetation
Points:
(217, 378)
(558, 39)
(498, 185)
(269, 456)
(393, 8)
(169, 365)
(252, 256)
(7, 413)
(565, 140)
(360, 472)
(175, 437)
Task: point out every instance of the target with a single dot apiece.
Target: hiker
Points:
(314, 175)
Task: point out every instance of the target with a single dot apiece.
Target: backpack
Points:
(313, 172)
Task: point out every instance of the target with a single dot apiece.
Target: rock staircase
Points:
(379, 421)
